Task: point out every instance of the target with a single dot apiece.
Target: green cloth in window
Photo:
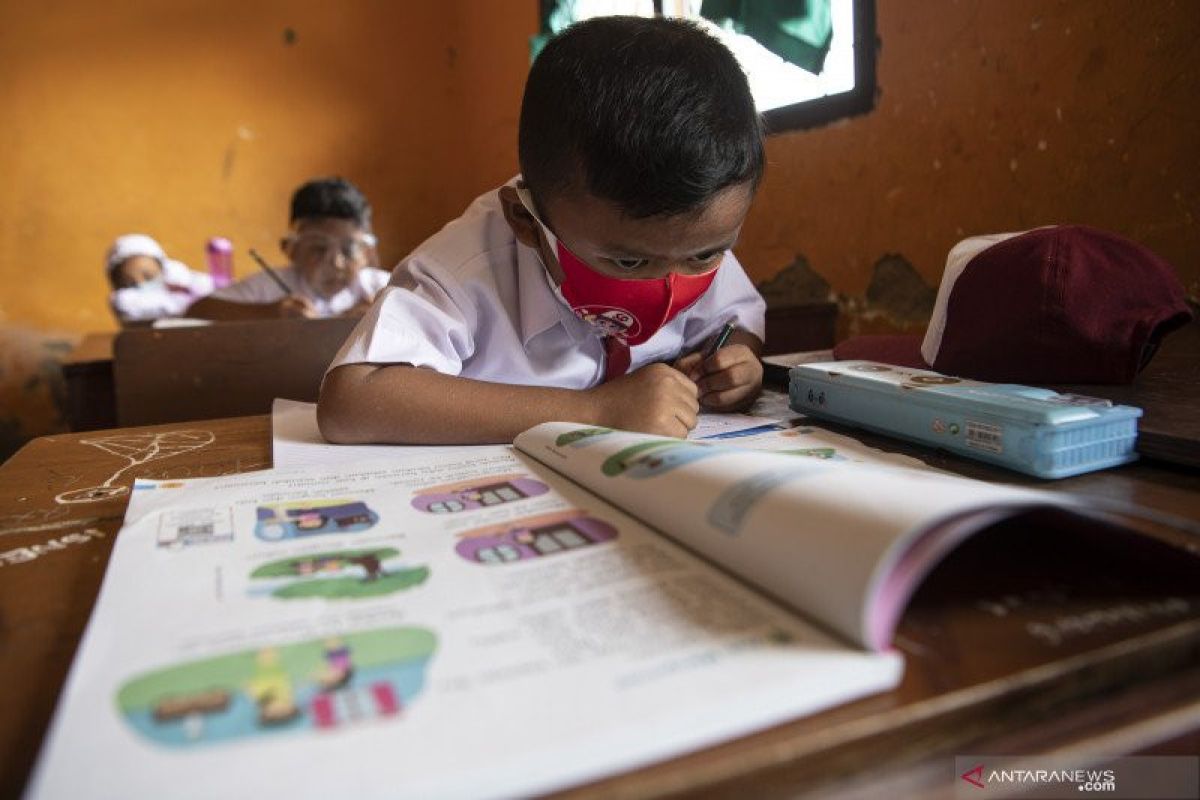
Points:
(556, 16)
(798, 31)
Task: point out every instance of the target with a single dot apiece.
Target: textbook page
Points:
(823, 536)
(463, 625)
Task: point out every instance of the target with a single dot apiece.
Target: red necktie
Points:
(616, 361)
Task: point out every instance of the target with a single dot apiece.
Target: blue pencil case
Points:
(1036, 431)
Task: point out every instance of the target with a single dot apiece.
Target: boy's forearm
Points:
(398, 404)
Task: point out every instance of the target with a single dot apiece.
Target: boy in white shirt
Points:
(567, 294)
(331, 254)
(146, 285)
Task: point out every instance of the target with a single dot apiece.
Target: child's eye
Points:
(629, 264)
(706, 258)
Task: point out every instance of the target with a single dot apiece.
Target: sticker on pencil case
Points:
(533, 537)
(194, 526)
(648, 459)
(581, 437)
(985, 436)
(321, 685)
(480, 492)
(302, 518)
(337, 575)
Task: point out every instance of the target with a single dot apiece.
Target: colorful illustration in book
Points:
(648, 459)
(337, 575)
(302, 518)
(532, 537)
(479, 492)
(730, 509)
(320, 684)
(581, 437)
(186, 527)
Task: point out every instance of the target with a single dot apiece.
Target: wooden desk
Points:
(144, 375)
(88, 374)
(1168, 392)
(228, 369)
(976, 680)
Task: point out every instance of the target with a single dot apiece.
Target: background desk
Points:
(144, 375)
(975, 680)
(173, 374)
(88, 374)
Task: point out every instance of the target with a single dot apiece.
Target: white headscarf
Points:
(130, 245)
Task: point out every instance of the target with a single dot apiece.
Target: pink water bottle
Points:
(219, 251)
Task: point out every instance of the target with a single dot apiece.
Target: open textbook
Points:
(497, 622)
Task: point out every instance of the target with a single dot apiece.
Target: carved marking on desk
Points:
(181, 471)
(23, 555)
(138, 449)
(1048, 594)
(1071, 626)
(52, 526)
(33, 516)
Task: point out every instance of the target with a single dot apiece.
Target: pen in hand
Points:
(274, 275)
(720, 341)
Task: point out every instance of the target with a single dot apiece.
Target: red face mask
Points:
(628, 309)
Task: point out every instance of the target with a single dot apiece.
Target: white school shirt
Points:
(473, 301)
(260, 288)
(181, 287)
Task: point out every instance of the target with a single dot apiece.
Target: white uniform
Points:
(473, 301)
(260, 288)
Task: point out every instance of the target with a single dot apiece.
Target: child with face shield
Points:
(331, 262)
(592, 287)
(146, 284)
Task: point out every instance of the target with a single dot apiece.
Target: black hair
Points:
(652, 114)
(331, 197)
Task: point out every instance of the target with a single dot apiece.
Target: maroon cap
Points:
(1063, 304)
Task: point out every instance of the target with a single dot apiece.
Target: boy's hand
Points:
(653, 399)
(728, 380)
(295, 306)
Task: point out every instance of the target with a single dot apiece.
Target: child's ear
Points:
(285, 247)
(527, 230)
(522, 223)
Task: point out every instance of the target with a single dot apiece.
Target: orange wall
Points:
(996, 116)
(188, 119)
(193, 118)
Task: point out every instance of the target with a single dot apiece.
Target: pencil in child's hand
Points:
(720, 341)
(267, 269)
